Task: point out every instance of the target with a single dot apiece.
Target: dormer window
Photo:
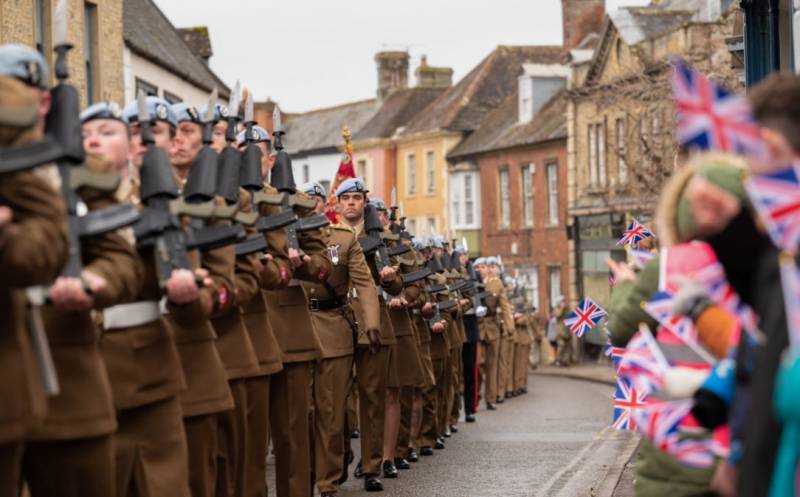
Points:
(525, 99)
(536, 89)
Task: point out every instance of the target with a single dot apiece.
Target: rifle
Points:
(282, 178)
(373, 243)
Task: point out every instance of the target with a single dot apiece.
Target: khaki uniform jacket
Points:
(33, 253)
(288, 308)
(440, 341)
(490, 329)
(349, 270)
(524, 334)
(84, 407)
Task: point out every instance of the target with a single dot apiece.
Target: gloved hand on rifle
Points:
(481, 311)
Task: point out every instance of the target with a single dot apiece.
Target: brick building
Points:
(94, 27)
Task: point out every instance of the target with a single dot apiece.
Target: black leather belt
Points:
(325, 304)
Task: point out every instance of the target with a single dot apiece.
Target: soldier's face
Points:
(218, 136)
(162, 135)
(464, 258)
(352, 206)
(109, 139)
(320, 207)
(187, 144)
(384, 218)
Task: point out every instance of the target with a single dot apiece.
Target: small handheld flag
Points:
(584, 317)
(626, 400)
(634, 234)
(640, 258)
(776, 198)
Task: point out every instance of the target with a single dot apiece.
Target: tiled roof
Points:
(463, 106)
(321, 129)
(396, 111)
(638, 24)
(500, 128)
(198, 39)
(149, 33)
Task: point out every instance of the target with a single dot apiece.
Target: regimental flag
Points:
(643, 363)
(776, 198)
(346, 170)
(634, 234)
(711, 117)
(626, 400)
(660, 307)
(584, 317)
(640, 258)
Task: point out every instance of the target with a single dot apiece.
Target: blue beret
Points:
(313, 188)
(220, 112)
(186, 112)
(352, 185)
(25, 64)
(480, 261)
(419, 244)
(258, 135)
(435, 242)
(378, 203)
(103, 110)
(492, 261)
(159, 110)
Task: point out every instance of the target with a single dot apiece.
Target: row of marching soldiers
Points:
(173, 304)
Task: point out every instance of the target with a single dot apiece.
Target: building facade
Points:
(93, 27)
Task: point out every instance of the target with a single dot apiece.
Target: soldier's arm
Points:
(246, 279)
(394, 287)
(113, 257)
(318, 267)
(34, 249)
(277, 271)
(361, 280)
(221, 266)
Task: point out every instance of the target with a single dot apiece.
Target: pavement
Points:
(600, 373)
(553, 442)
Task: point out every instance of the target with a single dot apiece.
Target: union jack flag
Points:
(711, 117)
(634, 234)
(584, 317)
(641, 257)
(660, 307)
(659, 421)
(713, 279)
(643, 363)
(626, 400)
(615, 354)
(776, 198)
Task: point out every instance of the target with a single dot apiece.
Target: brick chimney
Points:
(433, 77)
(392, 72)
(579, 18)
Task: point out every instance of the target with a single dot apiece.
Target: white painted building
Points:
(158, 60)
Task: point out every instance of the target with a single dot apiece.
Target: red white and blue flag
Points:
(626, 400)
(713, 279)
(584, 317)
(634, 234)
(660, 307)
(615, 354)
(659, 420)
(640, 258)
(776, 198)
(711, 117)
(643, 363)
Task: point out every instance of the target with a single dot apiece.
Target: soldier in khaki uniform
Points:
(522, 351)
(336, 327)
(376, 371)
(291, 389)
(490, 334)
(33, 249)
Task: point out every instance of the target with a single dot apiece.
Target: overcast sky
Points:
(307, 54)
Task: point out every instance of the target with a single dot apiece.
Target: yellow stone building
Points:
(94, 27)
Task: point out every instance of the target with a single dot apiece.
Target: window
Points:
(464, 200)
(530, 278)
(527, 195)
(552, 193)
(411, 174)
(622, 166)
(172, 98)
(602, 175)
(525, 99)
(90, 50)
(554, 280)
(431, 225)
(306, 173)
(505, 199)
(430, 172)
(147, 88)
(592, 156)
(361, 169)
(41, 27)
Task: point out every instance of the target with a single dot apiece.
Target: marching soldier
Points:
(490, 333)
(469, 352)
(33, 249)
(334, 321)
(563, 335)
(522, 351)
(376, 370)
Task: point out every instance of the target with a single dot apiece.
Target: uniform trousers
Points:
(151, 453)
(10, 469)
(201, 437)
(70, 468)
(371, 374)
(564, 349)
(331, 381)
(429, 429)
(255, 465)
(505, 359)
(469, 361)
(521, 353)
(445, 397)
(290, 404)
(457, 386)
(406, 411)
(232, 443)
(491, 370)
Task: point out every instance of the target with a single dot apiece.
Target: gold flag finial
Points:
(347, 136)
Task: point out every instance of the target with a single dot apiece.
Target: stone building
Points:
(621, 145)
(94, 27)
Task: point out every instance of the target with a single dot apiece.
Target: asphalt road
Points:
(551, 442)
